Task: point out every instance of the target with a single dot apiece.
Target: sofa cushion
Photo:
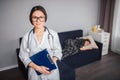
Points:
(82, 58)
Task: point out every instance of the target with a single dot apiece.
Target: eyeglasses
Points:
(41, 18)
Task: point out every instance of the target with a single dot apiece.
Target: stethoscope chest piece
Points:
(28, 50)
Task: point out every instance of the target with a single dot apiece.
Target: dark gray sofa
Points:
(68, 65)
(83, 57)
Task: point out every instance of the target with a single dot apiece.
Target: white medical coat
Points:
(30, 42)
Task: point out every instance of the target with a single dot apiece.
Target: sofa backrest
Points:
(65, 35)
(69, 35)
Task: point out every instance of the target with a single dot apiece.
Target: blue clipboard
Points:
(43, 58)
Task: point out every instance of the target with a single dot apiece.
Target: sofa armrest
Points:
(100, 45)
(21, 66)
(66, 72)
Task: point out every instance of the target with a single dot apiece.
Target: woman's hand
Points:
(43, 70)
(54, 59)
(85, 48)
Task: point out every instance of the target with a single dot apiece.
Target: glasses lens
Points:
(41, 18)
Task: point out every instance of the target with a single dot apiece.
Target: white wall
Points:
(63, 15)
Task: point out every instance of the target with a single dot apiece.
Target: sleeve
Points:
(24, 54)
(68, 42)
(57, 47)
(79, 43)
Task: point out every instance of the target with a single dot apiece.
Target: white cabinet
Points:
(102, 37)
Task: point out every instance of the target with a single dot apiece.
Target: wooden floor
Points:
(13, 74)
(108, 68)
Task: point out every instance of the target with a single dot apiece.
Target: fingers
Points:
(54, 59)
(44, 70)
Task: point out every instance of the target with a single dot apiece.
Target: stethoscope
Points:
(49, 35)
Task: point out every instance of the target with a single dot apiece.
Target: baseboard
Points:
(8, 67)
(118, 51)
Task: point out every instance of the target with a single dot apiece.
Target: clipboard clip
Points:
(50, 59)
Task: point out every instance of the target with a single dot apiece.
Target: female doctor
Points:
(39, 38)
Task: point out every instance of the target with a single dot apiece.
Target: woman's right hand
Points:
(43, 69)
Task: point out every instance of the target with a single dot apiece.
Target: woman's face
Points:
(87, 43)
(38, 19)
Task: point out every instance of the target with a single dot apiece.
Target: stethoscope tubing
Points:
(49, 34)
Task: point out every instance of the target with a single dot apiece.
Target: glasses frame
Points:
(41, 19)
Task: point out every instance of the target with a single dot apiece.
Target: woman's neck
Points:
(39, 34)
(39, 30)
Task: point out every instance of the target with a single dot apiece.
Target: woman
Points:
(36, 40)
(73, 46)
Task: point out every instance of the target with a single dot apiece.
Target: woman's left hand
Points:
(54, 59)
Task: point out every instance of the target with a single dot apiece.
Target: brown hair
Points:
(88, 40)
(35, 8)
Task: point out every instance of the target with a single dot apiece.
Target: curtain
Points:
(115, 46)
(106, 16)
